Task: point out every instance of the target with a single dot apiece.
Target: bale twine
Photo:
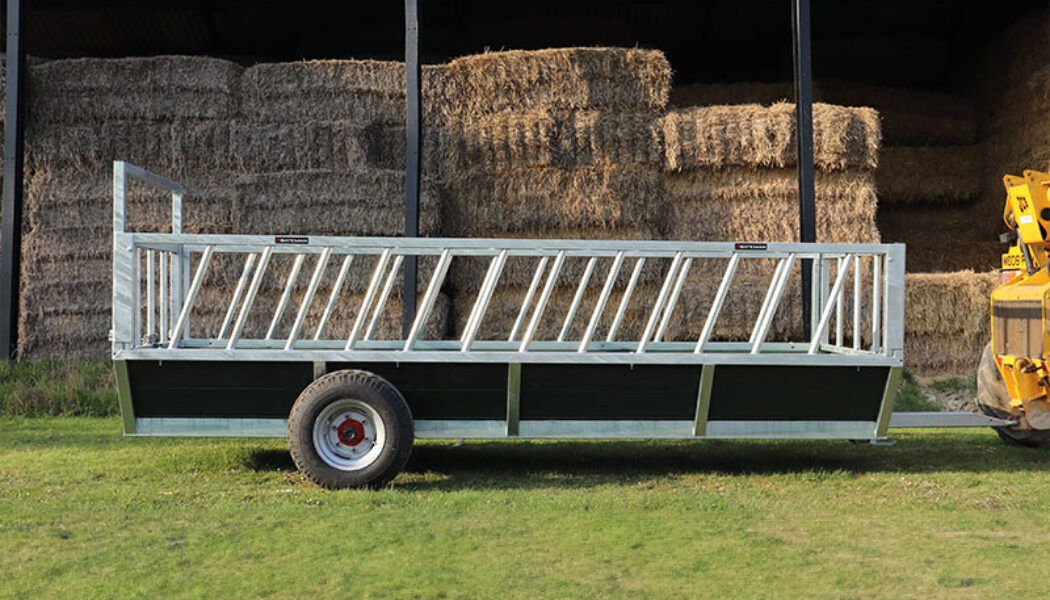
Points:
(85, 90)
(757, 136)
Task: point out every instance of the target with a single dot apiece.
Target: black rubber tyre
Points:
(350, 429)
(994, 401)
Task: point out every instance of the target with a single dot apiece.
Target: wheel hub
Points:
(351, 432)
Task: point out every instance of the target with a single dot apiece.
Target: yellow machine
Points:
(1014, 378)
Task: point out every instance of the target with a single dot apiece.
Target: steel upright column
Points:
(11, 228)
(807, 212)
(413, 152)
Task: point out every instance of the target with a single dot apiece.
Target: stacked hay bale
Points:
(319, 146)
(730, 177)
(169, 113)
(551, 144)
(947, 325)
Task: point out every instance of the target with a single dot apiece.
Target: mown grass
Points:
(86, 513)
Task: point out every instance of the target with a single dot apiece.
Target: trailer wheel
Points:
(994, 401)
(350, 429)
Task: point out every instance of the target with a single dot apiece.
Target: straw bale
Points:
(326, 202)
(171, 147)
(211, 307)
(542, 138)
(905, 129)
(80, 204)
(268, 147)
(467, 273)
(896, 100)
(505, 304)
(948, 256)
(364, 91)
(560, 78)
(607, 196)
(948, 322)
(713, 94)
(158, 88)
(746, 205)
(757, 136)
(928, 175)
(384, 147)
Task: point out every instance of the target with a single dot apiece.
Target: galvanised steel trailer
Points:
(352, 405)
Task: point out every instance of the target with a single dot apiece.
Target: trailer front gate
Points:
(577, 371)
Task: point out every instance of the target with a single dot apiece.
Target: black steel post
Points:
(807, 212)
(11, 227)
(413, 153)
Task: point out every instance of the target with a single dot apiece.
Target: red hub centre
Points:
(351, 432)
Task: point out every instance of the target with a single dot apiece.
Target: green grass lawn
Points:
(86, 513)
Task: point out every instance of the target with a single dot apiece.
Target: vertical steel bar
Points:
(825, 292)
(176, 212)
(836, 295)
(11, 213)
(136, 294)
(285, 296)
(777, 273)
(164, 300)
(599, 308)
(625, 300)
(526, 303)
(541, 304)
(187, 306)
(856, 303)
(767, 319)
(388, 285)
(803, 72)
(242, 317)
(661, 300)
(716, 304)
(413, 156)
(370, 294)
(581, 289)
(679, 283)
(308, 298)
(151, 299)
(333, 296)
(242, 283)
(876, 305)
(838, 309)
(481, 305)
(817, 281)
(429, 298)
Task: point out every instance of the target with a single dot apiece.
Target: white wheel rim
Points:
(349, 435)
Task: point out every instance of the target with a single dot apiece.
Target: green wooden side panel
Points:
(782, 393)
(445, 391)
(575, 392)
(216, 389)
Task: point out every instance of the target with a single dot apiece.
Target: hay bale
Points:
(626, 79)
(747, 205)
(546, 138)
(170, 147)
(353, 202)
(756, 136)
(607, 196)
(714, 94)
(948, 323)
(269, 147)
(950, 256)
(64, 202)
(83, 90)
(364, 91)
(928, 175)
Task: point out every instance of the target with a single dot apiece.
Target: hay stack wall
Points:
(729, 176)
(551, 144)
(172, 114)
